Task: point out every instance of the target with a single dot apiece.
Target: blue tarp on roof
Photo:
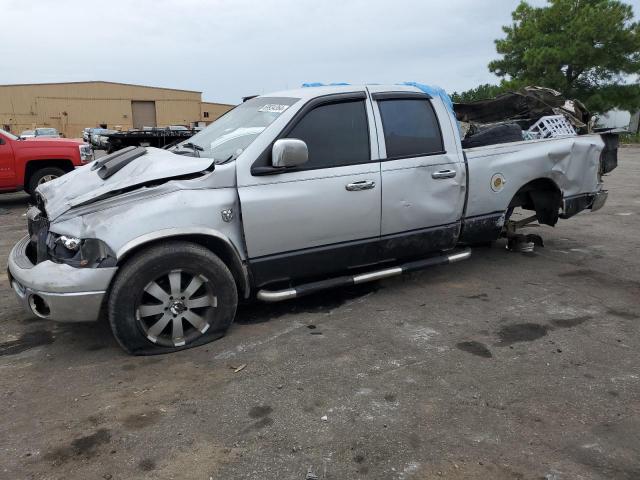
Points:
(432, 90)
(318, 84)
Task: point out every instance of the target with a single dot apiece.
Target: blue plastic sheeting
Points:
(318, 84)
(444, 96)
(432, 90)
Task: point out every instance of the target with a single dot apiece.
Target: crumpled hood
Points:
(84, 185)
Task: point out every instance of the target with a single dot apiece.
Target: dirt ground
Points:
(506, 366)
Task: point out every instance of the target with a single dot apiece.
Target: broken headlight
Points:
(80, 253)
(70, 243)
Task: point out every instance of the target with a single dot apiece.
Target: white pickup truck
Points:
(286, 194)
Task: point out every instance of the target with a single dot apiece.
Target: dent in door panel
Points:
(413, 199)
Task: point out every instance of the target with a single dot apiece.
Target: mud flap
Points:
(547, 204)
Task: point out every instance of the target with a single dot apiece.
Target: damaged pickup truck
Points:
(285, 195)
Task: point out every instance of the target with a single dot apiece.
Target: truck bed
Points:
(497, 172)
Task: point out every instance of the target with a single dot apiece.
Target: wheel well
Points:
(541, 195)
(34, 165)
(218, 246)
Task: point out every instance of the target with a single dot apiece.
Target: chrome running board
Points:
(344, 281)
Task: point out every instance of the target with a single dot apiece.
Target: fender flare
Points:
(237, 266)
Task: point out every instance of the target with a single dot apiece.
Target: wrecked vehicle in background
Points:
(285, 195)
(530, 113)
(160, 137)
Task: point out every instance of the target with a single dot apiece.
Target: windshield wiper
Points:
(194, 147)
(228, 159)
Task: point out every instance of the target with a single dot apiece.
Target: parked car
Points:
(46, 133)
(102, 141)
(27, 134)
(25, 164)
(286, 195)
(99, 140)
(94, 136)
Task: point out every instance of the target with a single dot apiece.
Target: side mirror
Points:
(289, 152)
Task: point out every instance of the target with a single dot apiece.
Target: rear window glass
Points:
(411, 128)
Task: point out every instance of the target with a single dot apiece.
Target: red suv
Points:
(25, 164)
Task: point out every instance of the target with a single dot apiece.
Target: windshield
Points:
(46, 131)
(8, 135)
(231, 134)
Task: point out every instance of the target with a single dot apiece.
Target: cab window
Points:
(411, 128)
(336, 134)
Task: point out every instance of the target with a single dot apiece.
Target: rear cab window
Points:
(411, 128)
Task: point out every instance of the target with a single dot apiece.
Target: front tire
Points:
(43, 175)
(171, 297)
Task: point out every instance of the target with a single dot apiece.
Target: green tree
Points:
(481, 92)
(586, 49)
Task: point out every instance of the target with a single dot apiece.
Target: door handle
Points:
(362, 185)
(443, 174)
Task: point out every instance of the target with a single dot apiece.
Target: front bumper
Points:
(57, 291)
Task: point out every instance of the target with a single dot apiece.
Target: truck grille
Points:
(38, 226)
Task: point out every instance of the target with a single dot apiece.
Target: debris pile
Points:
(530, 113)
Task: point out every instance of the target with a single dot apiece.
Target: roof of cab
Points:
(312, 92)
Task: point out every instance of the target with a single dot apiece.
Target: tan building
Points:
(70, 107)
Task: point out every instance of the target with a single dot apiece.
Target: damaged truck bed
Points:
(573, 181)
(530, 113)
(287, 194)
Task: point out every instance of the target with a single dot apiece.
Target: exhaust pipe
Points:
(345, 281)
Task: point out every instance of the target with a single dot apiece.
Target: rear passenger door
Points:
(423, 177)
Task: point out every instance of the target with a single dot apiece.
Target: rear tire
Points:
(494, 135)
(171, 297)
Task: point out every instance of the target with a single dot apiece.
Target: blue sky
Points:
(228, 49)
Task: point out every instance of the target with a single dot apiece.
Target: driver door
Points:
(322, 217)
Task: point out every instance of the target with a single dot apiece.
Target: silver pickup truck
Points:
(286, 194)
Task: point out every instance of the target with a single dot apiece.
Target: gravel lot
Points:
(506, 366)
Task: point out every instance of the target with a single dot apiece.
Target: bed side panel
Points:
(497, 172)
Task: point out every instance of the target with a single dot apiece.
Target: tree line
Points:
(585, 49)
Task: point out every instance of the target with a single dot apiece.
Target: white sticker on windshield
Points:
(273, 108)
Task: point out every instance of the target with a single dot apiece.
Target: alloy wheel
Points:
(46, 178)
(176, 308)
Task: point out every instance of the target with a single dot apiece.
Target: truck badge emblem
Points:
(227, 214)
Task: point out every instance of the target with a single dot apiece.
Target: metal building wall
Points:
(70, 107)
(215, 110)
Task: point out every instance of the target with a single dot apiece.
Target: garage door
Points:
(144, 114)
